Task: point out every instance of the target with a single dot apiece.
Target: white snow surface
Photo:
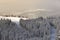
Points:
(13, 19)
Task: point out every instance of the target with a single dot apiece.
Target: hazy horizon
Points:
(27, 5)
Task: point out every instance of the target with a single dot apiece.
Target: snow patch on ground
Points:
(13, 19)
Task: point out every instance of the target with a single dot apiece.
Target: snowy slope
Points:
(13, 19)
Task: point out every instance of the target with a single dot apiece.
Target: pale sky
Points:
(20, 4)
(30, 4)
(53, 5)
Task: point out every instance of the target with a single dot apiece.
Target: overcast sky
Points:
(53, 5)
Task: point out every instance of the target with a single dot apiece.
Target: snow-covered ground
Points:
(13, 19)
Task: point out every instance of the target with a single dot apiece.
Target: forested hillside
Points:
(30, 29)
